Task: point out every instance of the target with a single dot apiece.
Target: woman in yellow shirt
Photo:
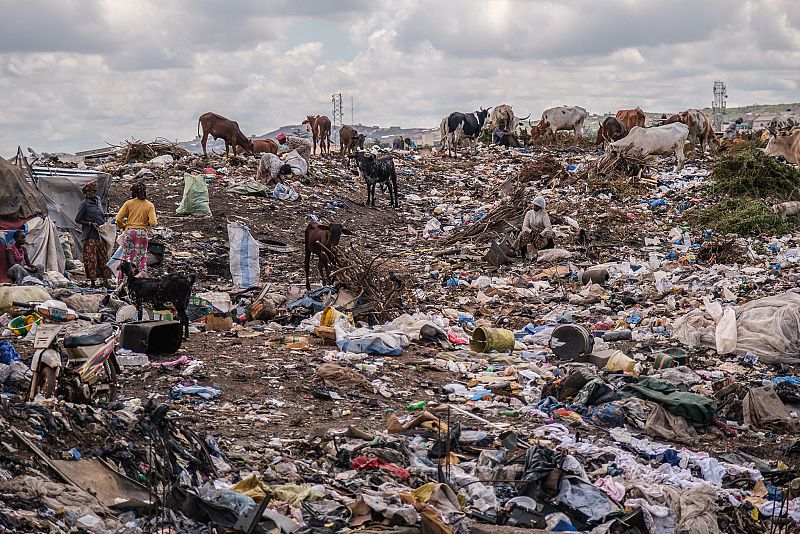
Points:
(135, 218)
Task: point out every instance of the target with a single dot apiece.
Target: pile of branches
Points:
(544, 167)
(625, 165)
(134, 151)
(380, 293)
(508, 214)
(749, 172)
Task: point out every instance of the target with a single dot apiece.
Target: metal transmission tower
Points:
(338, 115)
(718, 105)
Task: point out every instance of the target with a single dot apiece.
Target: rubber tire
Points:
(47, 382)
(111, 375)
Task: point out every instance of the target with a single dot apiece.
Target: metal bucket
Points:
(569, 341)
(486, 339)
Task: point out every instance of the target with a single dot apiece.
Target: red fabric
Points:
(4, 279)
(16, 224)
(457, 339)
(18, 253)
(362, 462)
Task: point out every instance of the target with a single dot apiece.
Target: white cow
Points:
(659, 140)
(557, 119)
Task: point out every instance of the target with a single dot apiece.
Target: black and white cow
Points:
(465, 126)
(375, 170)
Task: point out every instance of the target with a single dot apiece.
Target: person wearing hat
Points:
(135, 218)
(292, 142)
(536, 223)
(91, 216)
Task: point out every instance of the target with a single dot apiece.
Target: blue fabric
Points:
(8, 354)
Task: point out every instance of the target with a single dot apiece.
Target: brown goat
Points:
(320, 239)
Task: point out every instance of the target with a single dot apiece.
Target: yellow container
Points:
(486, 339)
(329, 316)
(22, 325)
(619, 361)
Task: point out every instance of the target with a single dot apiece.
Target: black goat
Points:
(173, 288)
(376, 170)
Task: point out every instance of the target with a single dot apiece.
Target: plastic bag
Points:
(195, 196)
(725, 333)
(243, 256)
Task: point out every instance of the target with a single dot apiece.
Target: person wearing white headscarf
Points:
(536, 223)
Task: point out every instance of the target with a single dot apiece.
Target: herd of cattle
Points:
(624, 134)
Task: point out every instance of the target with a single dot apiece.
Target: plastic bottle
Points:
(414, 406)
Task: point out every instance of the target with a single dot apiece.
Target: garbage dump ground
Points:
(639, 376)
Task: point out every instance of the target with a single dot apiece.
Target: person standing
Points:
(135, 218)
(91, 216)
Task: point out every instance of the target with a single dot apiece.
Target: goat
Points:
(320, 239)
(172, 288)
(376, 170)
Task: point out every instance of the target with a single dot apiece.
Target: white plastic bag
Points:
(243, 256)
(725, 333)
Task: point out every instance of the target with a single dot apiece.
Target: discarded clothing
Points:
(762, 409)
(362, 462)
(697, 409)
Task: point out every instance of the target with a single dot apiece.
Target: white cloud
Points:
(77, 74)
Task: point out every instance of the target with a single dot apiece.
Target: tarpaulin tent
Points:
(62, 189)
(22, 206)
(19, 199)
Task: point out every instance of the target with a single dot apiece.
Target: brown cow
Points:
(320, 127)
(221, 128)
(348, 138)
(261, 146)
(700, 129)
(631, 118)
(612, 129)
(787, 146)
(321, 239)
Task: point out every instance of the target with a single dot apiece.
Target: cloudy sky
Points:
(75, 74)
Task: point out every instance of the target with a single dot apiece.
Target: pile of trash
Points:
(639, 376)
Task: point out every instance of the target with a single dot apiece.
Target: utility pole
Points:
(352, 120)
(719, 105)
(337, 119)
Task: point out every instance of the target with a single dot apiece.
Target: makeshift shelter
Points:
(22, 206)
(62, 190)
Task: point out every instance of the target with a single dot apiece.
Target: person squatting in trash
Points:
(95, 252)
(19, 263)
(273, 169)
(536, 223)
(136, 217)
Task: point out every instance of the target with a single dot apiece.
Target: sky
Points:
(77, 74)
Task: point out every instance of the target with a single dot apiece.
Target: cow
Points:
(221, 128)
(786, 146)
(320, 128)
(261, 146)
(321, 239)
(443, 135)
(561, 118)
(631, 118)
(465, 126)
(375, 170)
(503, 114)
(659, 140)
(700, 128)
(612, 129)
(348, 136)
